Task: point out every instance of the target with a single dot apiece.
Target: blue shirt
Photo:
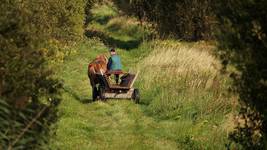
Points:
(114, 63)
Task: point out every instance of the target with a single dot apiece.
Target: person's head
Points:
(112, 51)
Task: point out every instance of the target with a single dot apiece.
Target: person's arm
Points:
(109, 63)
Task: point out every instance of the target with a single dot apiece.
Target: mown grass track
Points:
(183, 105)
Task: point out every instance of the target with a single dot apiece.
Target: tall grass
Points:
(181, 81)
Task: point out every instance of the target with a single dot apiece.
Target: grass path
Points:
(115, 124)
(193, 118)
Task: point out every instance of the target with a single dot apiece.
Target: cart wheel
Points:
(94, 93)
(136, 96)
(101, 92)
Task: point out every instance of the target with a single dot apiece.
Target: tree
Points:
(243, 44)
(187, 20)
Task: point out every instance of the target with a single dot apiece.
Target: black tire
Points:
(101, 91)
(136, 96)
(94, 94)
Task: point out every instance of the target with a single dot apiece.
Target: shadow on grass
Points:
(114, 28)
(102, 20)
(77, 97)
(112, 42)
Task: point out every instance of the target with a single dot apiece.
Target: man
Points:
(114, 64)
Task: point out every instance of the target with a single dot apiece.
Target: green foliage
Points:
(31, 32)
(69, 18)
(189, 20)
(243, 29)
(26, 128)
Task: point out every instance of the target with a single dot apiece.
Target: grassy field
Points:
(184, 104)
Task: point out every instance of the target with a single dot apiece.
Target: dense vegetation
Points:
(33, 37)
(188, 20)
(244, 46)
(184, 95)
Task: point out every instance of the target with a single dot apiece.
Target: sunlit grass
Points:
(183, 100)
(183, 109)
(106, 19)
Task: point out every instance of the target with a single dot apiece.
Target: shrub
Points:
(243, 42)
(30, 33)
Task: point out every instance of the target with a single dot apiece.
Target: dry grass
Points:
(173, 61)
(181, 81)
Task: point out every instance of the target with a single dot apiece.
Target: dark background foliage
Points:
(243, 44)
(187, 20)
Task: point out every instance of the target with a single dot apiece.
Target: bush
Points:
(243, 42)
(29, 91)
